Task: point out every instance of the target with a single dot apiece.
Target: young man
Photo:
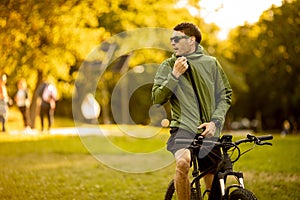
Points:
(200, 96)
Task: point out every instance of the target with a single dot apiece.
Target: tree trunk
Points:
(34, 107)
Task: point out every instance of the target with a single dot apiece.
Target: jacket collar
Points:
(197, 54)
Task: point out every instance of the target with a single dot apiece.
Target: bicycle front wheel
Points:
(170, 193)
(242, 194)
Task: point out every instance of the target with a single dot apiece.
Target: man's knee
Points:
(182, 167)
(183, 159)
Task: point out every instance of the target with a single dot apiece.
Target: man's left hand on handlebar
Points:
(210, 129)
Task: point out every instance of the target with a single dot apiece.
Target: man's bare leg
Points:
(181, 179)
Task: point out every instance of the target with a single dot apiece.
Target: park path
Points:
(139, 131)
(76, 131)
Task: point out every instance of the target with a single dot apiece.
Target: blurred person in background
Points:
(4, 101)
(47, 93)
(23, 102)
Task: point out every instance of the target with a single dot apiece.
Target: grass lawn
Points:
(61, 167)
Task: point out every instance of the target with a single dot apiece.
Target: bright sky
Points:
(228, 14)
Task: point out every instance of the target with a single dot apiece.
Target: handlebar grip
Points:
(183, 141)
(265, 137)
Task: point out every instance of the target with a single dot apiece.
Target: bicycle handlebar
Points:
(184, 141)
(256, 139)
(226, 143)
(250, 138)
(265, 137)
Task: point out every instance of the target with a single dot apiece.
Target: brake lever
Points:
(267, 143)
(263, 143)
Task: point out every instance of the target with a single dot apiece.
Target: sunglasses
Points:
(178, 38)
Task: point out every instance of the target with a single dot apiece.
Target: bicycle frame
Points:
(224, 169)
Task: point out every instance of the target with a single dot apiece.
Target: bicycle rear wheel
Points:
(242, 194)
(170, 193)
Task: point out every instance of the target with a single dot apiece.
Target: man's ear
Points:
(193, 39)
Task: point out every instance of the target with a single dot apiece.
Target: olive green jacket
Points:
(213, 89)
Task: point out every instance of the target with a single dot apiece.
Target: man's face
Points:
(181, 44)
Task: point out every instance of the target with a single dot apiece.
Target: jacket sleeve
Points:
(223, 94)
(164, 84)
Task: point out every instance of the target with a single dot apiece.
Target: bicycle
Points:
(219, 190)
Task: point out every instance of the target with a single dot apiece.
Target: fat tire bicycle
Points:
(219, 190)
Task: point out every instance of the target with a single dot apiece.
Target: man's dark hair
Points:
(189, 29)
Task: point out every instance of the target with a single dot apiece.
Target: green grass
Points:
(61, 167)
(273, 172)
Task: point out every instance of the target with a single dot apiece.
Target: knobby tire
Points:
(242, 194)
(170, 194)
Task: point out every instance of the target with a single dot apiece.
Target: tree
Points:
(267, 52)
(47, 38)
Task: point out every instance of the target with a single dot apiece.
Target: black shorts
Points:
(208, 155)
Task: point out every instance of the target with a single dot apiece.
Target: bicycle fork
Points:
(227, 167)
(222, 179)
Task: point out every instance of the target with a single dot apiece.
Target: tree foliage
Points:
(267, 52)
(46, 37)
